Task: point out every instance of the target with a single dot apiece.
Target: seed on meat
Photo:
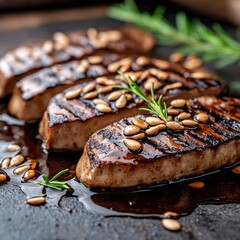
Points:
(174, 125)
(158, 73)
(154, 121)
(48, 46)
(184, 115)
(200, 75)
(171, 224)
(17, 160)
(161, 63)
(89, 87)
(81, 68)
(103, 108)
(129, 97)
(61, 37)
(100, 101)
(176, 57)
(125, 67)
(174, 86)
(138, 136)
(3, 178)
(178, 103)
(90, 95)
(102, 80)
(95, 59)
(172, 112)
(5, 163)
(113, 67)
(193, 63)
(131, 130)
(152, 130)
(139, 123)
(13, 148)
(112, 35)
(29, 175)
(132, 144)
(152, 82)
(202, 117)
(121, 102)
(33, 164)
(73, 94)
(105, 89)
(196, 185)
(36, 201)
(142, 61)
(189, 123)
(20, 170)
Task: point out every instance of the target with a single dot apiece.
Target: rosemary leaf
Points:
(213, 44)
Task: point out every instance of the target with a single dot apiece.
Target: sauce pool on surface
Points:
(181, 197)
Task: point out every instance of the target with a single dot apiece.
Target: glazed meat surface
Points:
(29, 58)
(68, 123)
(207, 139)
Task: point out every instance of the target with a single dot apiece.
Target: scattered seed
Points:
(121, 102)
(90, 95)
(102, 80)
(103, 108)
(170, 214)
(142, 61)
(171, 224)
(95, 59)
(132, 144)
(196, 185)
(111, 36)
(152, 130)
(189, 123)
(174, 125)
(3, 178)
(73, 94)
(17, 160)
(158, 73)
(138, 136)
(125, 67)
(131, 130)
(178, 103)
(184, 115)
(154, 121)
(13, 148)
(84, 63)
(29, 175)
(36, 201)
(174, 86)
(202, 117)
(176, 57)
(33, 164)
(20, 170)
(5, 163)
(172, 112)
(139, 123)
(100, 101)
(129, 97)
(236, 170)
(105, 89)
(161, 63)
(89, 87)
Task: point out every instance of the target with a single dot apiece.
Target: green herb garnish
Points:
(213, 44)
(53, 183)
(154, 107)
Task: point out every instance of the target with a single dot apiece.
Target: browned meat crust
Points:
(69, 117)
(167, 155)
(31, 57)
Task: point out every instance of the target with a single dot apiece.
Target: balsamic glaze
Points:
(221, 186)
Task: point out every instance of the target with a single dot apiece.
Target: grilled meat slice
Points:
(33, 56)
(32, 94)
(70, 117)
(212, 142)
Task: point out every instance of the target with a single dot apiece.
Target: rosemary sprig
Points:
(154, 107)
(213, 44)
(53, 183)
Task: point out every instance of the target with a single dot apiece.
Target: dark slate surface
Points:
(71, 221)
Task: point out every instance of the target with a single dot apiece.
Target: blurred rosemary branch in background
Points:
(212, 44)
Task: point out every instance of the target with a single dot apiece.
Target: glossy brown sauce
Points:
(221, 187)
